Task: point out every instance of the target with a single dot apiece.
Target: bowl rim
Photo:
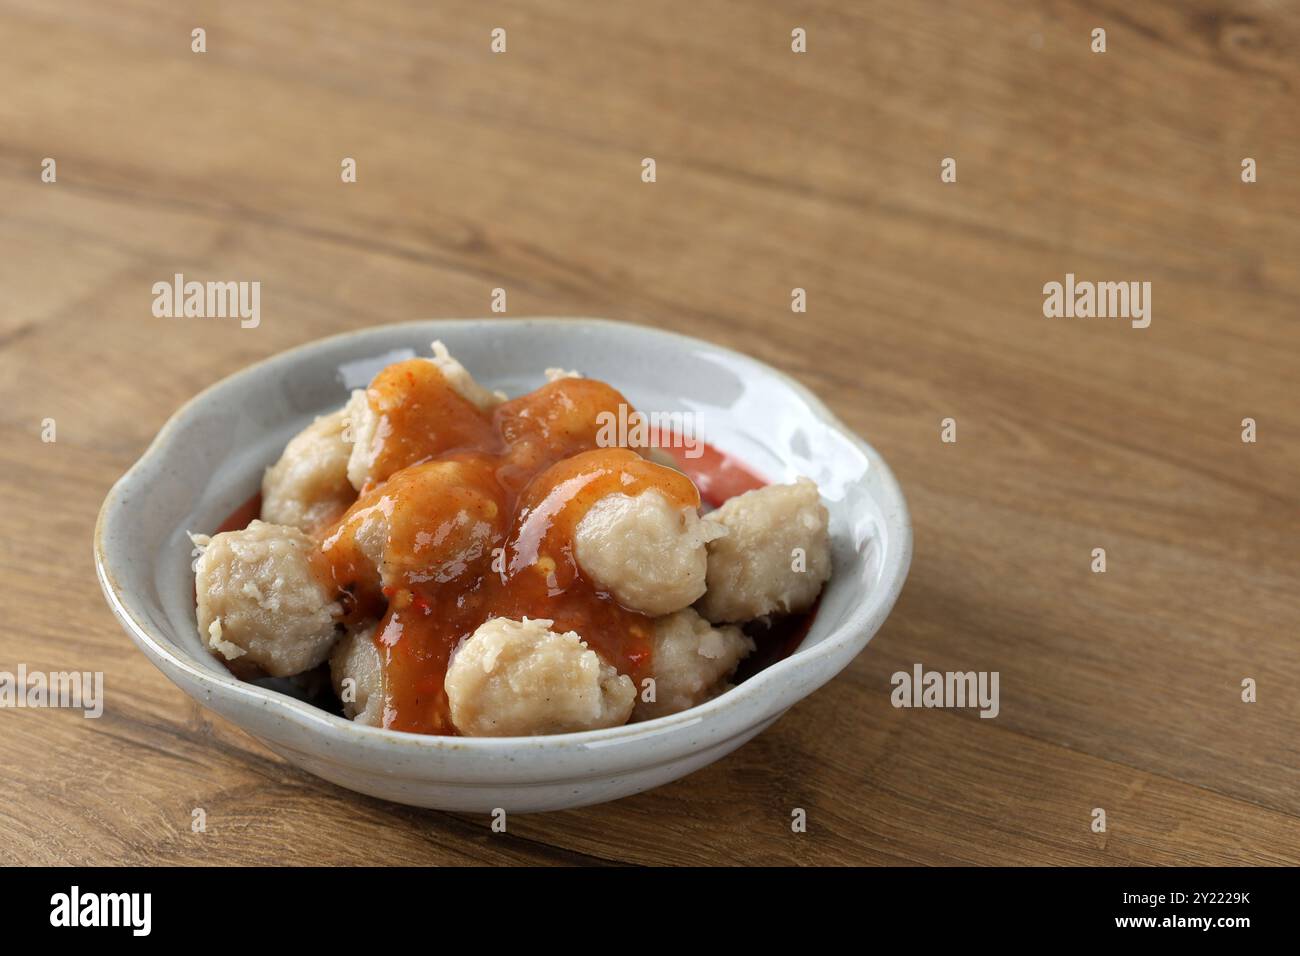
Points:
(856, 630)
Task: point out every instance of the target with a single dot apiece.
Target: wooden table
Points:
(774, 170)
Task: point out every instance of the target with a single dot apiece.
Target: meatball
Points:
(357, 659)
(754, 569)
(408, 394)
(566, 416)
(431, 523)
(520, 678)
(308, 487)
(648, 554)
(260, 603)
(691, 662)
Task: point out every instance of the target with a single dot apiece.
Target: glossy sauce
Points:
(471, 515)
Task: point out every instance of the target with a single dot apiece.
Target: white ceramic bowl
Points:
(209, 458)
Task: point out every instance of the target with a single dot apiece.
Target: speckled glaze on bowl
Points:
(209, 458)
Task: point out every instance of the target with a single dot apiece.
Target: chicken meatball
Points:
(566, 416)
(411, 390)
(691, 662)
(259, 601)
(357, 672)
(520, 678)
(648, 554)
(308, 487)
(775, 556)
(431, 523)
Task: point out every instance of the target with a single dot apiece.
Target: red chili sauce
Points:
(480, 510)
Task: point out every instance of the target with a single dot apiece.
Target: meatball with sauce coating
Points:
(648, 554)
(406, 408)
(691, 663)
(259, 601)
(566, 416)
(356, 659)
(430, 523)
(520, 678)
(308, 487)
(755, 568)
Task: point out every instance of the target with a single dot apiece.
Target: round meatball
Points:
(648, 554)
(260, 603)
(433, 522)
(690, 663)
(775, 556)
(356, 659)
(365, 422)
(566, 416)
(308, 487)
(520, 678)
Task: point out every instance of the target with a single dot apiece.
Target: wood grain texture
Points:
(1119, 690)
